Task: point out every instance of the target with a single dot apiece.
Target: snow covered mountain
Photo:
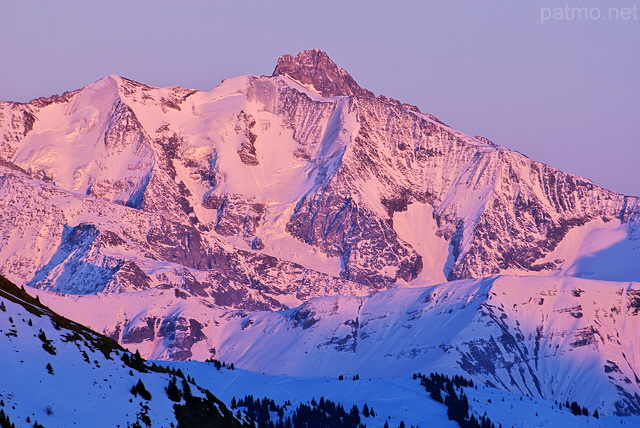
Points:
(57, 373)
(268, 191)
(255, 223)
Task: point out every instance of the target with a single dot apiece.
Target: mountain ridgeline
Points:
(272, 190)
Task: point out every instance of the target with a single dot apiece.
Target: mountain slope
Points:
(394, 399)
(59, 373)
(81, 244)
(293, 186)
(553, 338)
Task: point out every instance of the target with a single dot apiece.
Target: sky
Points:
(558, 84)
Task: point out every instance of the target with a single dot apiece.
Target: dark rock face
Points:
(257, 244)
(370, 250)
(130, 273)
(140, 333)
(247, 151)
(314, 67)
(182, 333)
(178, 243)
(54, 99)
(237, 214)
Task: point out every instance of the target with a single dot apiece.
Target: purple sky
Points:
(565, 92)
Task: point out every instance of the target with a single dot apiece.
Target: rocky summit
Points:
(315, 68)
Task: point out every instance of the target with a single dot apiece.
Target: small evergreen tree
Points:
(143, 391)
(355, 415)
(575, 408)
(4, 420)
(173, 392)
(436, 395)
(186, 390)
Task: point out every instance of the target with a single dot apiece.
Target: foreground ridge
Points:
(60, 373)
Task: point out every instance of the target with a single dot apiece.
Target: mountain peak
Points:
(314, 67)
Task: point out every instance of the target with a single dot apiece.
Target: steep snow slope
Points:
(393, 399)
(296, 185)
(57, 240)
(556, 338)
(59, 374)
(600, 250)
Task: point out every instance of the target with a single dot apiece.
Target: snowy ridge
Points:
(555, 338)
(58, 373)
(82, 364)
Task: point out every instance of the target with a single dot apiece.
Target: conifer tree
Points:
(173, 392)
(142, 391)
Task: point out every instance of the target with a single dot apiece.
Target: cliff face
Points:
(268, 191)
